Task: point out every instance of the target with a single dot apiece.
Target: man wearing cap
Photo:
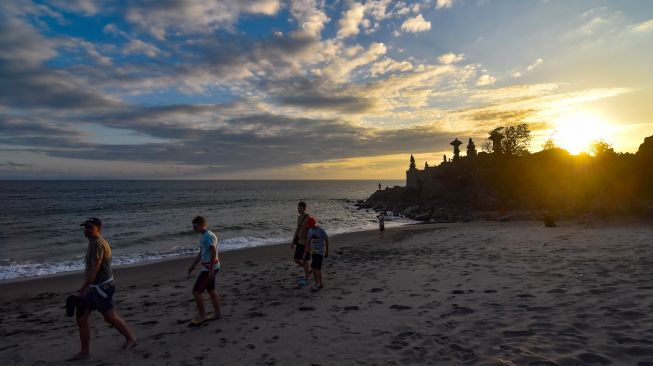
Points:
(98, 289)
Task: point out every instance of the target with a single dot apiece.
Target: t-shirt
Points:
(208, 240)
(317, 237)
(99, 250)
(302, 233)
(381, 220)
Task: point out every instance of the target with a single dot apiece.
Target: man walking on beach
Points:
(299, 243)
(98, 289)
(208, 256)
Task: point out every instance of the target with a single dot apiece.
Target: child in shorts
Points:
(318, 247)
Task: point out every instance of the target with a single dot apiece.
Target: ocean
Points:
(151, 220)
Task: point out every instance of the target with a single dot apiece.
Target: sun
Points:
(576, 131)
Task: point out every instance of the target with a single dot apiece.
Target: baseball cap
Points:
(92, 221)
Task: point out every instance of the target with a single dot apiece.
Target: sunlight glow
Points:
(576, 131)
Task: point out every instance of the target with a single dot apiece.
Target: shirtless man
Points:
(299, 243)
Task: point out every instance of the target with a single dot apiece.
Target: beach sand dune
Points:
(485, 293)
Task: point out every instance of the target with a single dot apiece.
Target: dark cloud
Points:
(512, 116)
(344, 104)
(228, 138)
(26, 83)
(12, 164)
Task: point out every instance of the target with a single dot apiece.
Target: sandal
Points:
(212, 317)
(196, 322)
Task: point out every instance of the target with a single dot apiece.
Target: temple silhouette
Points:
(416, 178)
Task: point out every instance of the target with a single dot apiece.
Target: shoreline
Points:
(277, 241)
(48, 283)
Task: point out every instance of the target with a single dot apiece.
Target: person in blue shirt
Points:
(208, 256)
(318, 248)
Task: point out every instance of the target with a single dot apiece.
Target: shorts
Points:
(300, 252)
(95, 301)
(316, 261)
(381, 227)
(204, 283)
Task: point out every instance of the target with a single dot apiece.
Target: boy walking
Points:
(299, 243)
(318, 248)
(208, 256)
(98, 289)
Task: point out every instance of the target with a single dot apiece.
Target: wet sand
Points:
(479, 293)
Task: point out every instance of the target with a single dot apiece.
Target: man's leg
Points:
(318, 276)
(84, 335)
(215, 300)
(112, 317)
(299, 262)
(199, 300)
(306, 270)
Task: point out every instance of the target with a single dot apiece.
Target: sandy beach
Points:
(479, 293)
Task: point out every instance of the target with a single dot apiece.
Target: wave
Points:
(13, 269)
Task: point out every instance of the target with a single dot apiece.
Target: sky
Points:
(308, 89)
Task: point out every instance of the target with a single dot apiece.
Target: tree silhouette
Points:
(601, 147)
(549, 144)
(514, 140)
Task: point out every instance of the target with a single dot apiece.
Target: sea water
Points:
(151, 220)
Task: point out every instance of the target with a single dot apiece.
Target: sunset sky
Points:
(300, 89)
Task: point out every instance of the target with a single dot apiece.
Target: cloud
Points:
(28, 83)
(310, 17)
(485, 80)
(389, 65)
(340, 68)
(351, 20)
(416, 24)
(342, 104)
(535, 64)
(12, 164)
(189, 16)
(234, 138)
(440, 4)
(643, 27)
(85, 7)
(136, 46)
(451, 58)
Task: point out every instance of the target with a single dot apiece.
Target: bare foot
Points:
(79, 356)
(129, 343)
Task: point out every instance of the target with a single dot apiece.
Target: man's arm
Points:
(307, 249)
(214, 260)
(326, 246)
(195, 261)
(92, 271)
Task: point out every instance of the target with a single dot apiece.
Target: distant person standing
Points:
(208, 256)
(318, 248)
(379, 186)
(381, 218)
(299, 243)
(98, 289)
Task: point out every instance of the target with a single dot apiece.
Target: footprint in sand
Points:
(517, 333)
(594, 359)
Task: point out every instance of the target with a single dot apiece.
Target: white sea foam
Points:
(11, 270)
(146, 221)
